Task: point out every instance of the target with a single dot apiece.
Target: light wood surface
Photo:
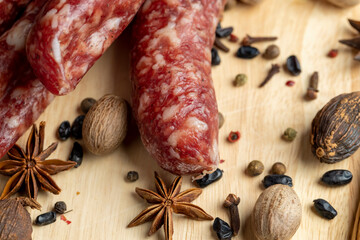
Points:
(107, 203)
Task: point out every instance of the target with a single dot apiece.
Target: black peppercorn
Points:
(86, 104)
(222, 229)
(76, 154)
(60, 207)
(45, 218)
(209, 178)
(247, 52)
(215, 58)
(324, 208)
(76, 128)
(64, 130)
(132, 176)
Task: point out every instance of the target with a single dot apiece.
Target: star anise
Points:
(165, 202)
(29, 168)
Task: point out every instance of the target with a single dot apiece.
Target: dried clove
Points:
(312, 90)
(220, 45)
(355, 24)
(231, 202)
(354, 42)
(248, 40)
(293, 65)
(222, 229)
(275, 68)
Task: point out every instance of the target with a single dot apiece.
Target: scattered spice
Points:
(76, 128)
(222, 229)
(247, 52)
(207, 179)
(223, 32)
(270, 180)
(15, 221)
(165, 202)
(255, 168)
(271, 52)
(233, 38)
(220, 45)
(132, 176)
(240, 80)
(312, 90)
(76, 154)
(293, 65)
(60, 207)
(77, 193)
(63, 218)
(324, 208)
(221, 119)
(278, 168)
(337, 177)
(290, 83)
(64, 130)
(275, 68)
(248, 40)
(233, 136)
(231, 202)
(86, 104)
(45, 218)
(215, 58)
(222, 161)
(290, 134)
(29, 168)
(333, 53)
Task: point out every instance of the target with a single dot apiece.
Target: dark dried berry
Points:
(324, 208)
(293, 65)
(86, 104)
(45, 218)
(337, 177)
(64, 130)
(132, 176)
(270, 180)
(224, 32)
(247, 52)
(76, 154)
(222, 229)
(60, 207)
(209, 178)
(76, 128)
(215, 58)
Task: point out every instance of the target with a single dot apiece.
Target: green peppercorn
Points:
(255, 168)
(240, 80)
(221, 119)
(290, 134)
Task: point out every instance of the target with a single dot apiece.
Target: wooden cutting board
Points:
(103, 202)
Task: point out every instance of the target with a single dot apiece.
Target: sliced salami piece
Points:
(9, 12)
(173, 95)
(70, 35)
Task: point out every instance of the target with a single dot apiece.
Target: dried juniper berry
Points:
(293, 65)
(270, 180)
(215, 58)
(247, 52)
(324, 208)
(64, 130)
(337, 177)
(209, 178)
(76, 128)
(76, 154)
(45, 218)
(222, 229)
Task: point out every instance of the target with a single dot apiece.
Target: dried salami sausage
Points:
(70, 35)
(173, 96)
(9, 11)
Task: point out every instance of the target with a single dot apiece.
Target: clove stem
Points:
(220, 45)
(275, 68)
(248, 40)
(231, 202)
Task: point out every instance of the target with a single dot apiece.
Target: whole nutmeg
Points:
(105, 125)
(344, 3)
(277, 213)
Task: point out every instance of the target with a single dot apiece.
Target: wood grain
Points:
(107, 203)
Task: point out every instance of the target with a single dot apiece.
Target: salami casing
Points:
(173, 96)
(9, 11)
(70, 35)
(24, 97)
